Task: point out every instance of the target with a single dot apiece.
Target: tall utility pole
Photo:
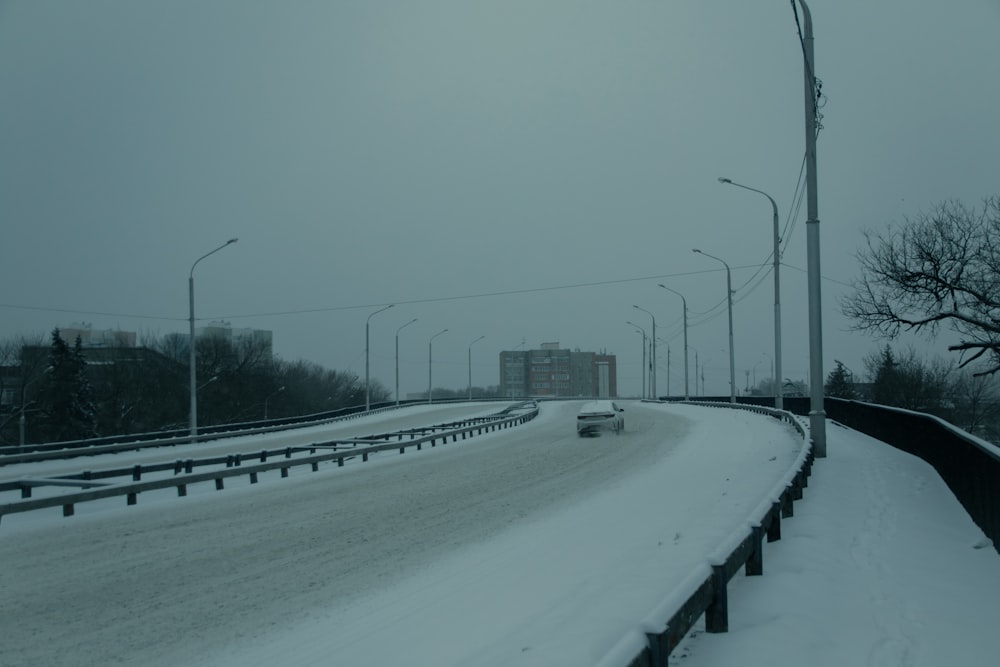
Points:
(817, 413)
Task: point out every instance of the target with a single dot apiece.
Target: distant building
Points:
(90, 337)
(555, 372)
(225, 331)
(177, 343)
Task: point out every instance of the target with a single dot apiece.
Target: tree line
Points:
(58, 390)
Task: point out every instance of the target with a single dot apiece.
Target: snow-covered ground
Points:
(524, 547)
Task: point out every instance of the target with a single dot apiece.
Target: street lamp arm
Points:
(379, 311)
(405, 325)
(702, 252)
(229, 242)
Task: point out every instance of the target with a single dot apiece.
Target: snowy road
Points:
(201, 579)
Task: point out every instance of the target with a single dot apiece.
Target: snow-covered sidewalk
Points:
(879, 566)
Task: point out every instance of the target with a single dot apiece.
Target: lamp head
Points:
(232, 240)
(697, 251)
(724, 180)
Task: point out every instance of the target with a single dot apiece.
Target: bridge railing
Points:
(968, 465)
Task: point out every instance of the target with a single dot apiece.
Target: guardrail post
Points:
(755, 564)
(178, 467)
(717, 613)
(340, 462)
(284, 472)
(182, 489)
(136, 473)
(189, 466)
(68, 509)
(263, 456)
(219, 484)
(132, 498)
(787, 510)
(25, 491)
(657, 649)
(797, 487)
(774, 527)
(253, 478)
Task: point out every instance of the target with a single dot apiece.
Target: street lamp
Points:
(21, 419)
(470, 363)
(643, 332)
(778, 399)
(397, 355)
(687, 396)
(729, 301)
(430, 365)
(273, 393)
(368, 393)
(653, 346)
(193, 384)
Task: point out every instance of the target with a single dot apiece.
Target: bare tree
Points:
(977, 404)
(939, 269)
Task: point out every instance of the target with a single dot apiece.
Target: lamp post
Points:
(273, 393)
(430, 365)
(653, 352)
(687, 396)
(643, 332)
(397, 355)
(470, 363)
(193, 383)
(778, 399)
(729, 301)
(368, 393)
(21, 418)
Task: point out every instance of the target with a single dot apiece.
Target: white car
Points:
(596, 416)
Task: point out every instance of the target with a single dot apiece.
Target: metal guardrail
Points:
(117, 443)
(110, 444)
(132, 489)
(704, 591)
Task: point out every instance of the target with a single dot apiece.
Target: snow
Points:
(519, 548)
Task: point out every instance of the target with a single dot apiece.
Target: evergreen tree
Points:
(67, 401)
(907, 382)
(840, 382)
(84, 413)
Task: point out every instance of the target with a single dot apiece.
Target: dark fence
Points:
(969, 466)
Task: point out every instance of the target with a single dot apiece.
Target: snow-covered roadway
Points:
(366, 564)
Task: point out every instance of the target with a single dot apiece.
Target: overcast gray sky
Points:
(522, 170)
